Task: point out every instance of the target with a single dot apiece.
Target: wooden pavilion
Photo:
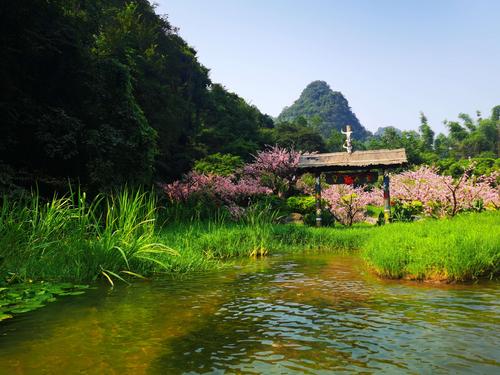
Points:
(353, 167)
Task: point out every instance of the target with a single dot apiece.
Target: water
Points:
(312, 314)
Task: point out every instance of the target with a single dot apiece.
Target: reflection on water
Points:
(307, 314)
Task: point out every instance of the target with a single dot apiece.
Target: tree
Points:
(348, 204)
(299, 136)
(218, 164)
(230, 125)
(426, 134)
(335, 141)
(275, 168)
(106, 92)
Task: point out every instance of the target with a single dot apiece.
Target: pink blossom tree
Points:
(224, 191)
(443, 195)
(275, 168)
(348, 204)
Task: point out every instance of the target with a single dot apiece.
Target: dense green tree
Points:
(442, 145)
(299, 136)
(65, 111)
(426, 134)
(468, 138)
(495, 113)
(219, 164)
(106, 92)
(335, 141)
(230, 125)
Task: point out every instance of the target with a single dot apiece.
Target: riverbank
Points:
(463, 248)
(118, 238)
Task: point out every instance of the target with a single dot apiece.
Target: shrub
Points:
(327, 218)
(406, 211)
(275, 168)
(301, 204)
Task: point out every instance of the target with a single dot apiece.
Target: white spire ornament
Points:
(347, 144)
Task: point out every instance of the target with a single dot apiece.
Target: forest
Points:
(105, 93)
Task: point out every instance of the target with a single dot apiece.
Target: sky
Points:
(390, 58)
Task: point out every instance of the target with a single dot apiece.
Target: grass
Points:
(72, 239)
(464, 248)
(223, 241)
(48, 248)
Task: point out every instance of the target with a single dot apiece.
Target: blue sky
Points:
(391, 59)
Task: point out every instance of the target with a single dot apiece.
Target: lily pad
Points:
(22, 298)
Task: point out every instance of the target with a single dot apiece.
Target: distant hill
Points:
(324, 108)
(381, 130)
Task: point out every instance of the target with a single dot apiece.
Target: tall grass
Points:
(463, 248)
(221, 241)
(117, 236)
(73, 239)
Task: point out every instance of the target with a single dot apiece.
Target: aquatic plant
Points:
(21, 298)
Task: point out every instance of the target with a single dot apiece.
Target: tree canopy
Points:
(106, 92)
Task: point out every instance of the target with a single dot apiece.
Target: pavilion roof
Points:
(357, 160)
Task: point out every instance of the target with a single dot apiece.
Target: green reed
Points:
(74, 239)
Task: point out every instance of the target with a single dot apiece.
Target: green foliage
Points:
(299, 136)
(327, 219)
(426, 134)
(302, 204)
(483, 166)
(467, 139)
(73, 239)
(219, 164)
(107, 92)
(407, 211)
(462, 248)
(328, 109)
(21, 298)
(336, 141)
(230, 125)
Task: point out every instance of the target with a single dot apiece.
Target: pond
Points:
(282, 314)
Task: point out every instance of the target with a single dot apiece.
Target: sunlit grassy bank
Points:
(463, 248)
(119, 237)
(203, 245)
(72, 239)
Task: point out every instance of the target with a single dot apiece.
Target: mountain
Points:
(381, 130)
(324, 108)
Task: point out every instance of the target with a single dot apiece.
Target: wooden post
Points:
(318, 199)
(387, 198)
